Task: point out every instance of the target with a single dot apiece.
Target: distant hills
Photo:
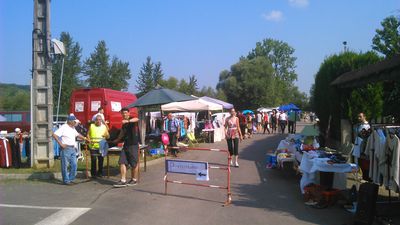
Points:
(14, 97)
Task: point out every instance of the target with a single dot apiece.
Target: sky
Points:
(200, 38)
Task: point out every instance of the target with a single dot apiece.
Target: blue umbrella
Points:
(247, 111)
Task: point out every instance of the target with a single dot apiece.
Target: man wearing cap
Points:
(66, 137)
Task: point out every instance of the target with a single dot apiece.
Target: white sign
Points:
(202, 175)
(79, 106)
(95, 105)
(116, 106)
(200, 169)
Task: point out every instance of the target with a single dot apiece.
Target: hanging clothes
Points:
(393, 150)
(5, 153)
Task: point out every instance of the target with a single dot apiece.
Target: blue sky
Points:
(199, 38)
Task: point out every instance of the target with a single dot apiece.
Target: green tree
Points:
(158, 74)
(249, 84)
(150, 75)
(192, 85)
(72, 69)
(207, 91)
(101, 73)
(387, 42)
(183, 86)
(280, 54)
(14, 98)
(171, 83)
(387, 39)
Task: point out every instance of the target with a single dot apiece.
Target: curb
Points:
(57, 175)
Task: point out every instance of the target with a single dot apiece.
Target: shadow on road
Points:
(278, 189)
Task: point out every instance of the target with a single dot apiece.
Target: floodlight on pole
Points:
(59, 49)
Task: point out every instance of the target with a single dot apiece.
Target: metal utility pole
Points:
(41, 90)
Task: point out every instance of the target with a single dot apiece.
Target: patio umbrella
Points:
(247, 111)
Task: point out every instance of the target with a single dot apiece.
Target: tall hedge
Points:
(330, 102)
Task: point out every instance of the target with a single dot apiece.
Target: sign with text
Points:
(200, 169)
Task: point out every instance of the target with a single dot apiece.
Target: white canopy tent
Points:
(191, 106)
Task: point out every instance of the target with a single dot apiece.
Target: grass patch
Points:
(25, 169)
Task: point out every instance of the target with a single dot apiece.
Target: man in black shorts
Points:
(129, 153)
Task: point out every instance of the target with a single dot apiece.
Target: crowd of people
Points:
(238, 126)
(271, 122)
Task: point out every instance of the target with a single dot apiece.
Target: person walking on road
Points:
(66, 137)
(233, 134)
(98, 133)
(173, 128)
(273, 121)
(292, 122)
(242, 123)
(266, 122)
(283, 121)
(129, 154)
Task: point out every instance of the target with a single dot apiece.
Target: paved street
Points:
(260, 196)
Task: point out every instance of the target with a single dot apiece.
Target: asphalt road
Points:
(259, 196)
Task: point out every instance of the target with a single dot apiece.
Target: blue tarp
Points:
(289, 107)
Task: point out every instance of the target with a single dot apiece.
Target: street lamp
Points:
(59, 49)
(345, 46)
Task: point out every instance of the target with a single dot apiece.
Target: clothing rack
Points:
(384, 126)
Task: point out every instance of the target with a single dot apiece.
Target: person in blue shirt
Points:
(172, 127)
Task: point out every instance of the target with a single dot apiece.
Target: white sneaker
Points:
(231, 163)
(236, 164)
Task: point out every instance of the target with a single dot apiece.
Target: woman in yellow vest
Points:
(98, 133)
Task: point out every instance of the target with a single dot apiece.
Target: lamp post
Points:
(345, 46)
(59, 49)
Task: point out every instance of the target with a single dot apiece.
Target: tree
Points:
(19, 100)
(101, 73)
(72, 69)
(119, 74)
(158, 74)
(192, 85)
(280, 54)
(208, 91)
(249, 83)
(171, 83)
(150, 75)
(387, 42)
(387, 39)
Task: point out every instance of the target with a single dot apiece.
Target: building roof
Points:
(386, 70)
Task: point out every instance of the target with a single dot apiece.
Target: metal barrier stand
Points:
(228, 187)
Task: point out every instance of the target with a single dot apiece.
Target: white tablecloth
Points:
(310, 165)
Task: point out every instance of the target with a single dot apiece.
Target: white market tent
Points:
(191, 106)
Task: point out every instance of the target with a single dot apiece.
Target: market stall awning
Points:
(160, 96)
(191, 106)
(289, 107)
(225, 105)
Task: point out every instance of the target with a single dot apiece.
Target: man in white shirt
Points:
(66, 137)
(283, 121)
